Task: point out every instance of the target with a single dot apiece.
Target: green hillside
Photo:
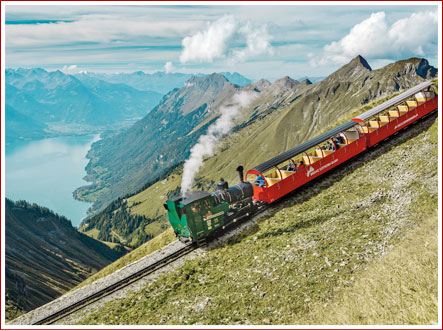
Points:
(285, 114)
(312, 250)
(148, 203)
(45, 256)
(289, 112)
(121, 164)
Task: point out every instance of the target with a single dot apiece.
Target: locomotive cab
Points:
(195, 215)
(198, 214)
(177, 216)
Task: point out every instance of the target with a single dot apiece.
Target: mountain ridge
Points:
(295, 113)
(160, 82)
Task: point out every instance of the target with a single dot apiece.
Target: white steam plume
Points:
(206, 143)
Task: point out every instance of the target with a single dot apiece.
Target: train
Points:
(199, 215)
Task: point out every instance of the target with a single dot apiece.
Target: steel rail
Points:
(116, 286)
(170, 258)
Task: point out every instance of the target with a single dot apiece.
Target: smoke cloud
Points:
(206, 143)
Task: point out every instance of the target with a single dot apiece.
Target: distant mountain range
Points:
(20, 126)
(50, 98)
(45, 256)
(159, 82)
(41, 103)
(163, 138)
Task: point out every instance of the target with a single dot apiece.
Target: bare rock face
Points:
(354, 70)
(285, 83)
(414, 67)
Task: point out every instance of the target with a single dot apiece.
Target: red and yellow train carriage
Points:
(286, 172)
(200, 214)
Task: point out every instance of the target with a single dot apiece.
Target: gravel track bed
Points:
(72, 297)
(81, 293)
(140, 284)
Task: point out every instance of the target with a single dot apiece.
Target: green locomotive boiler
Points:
(199, 214)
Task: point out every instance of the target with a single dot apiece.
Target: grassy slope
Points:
(291, 116)
(162, 240)
(314, 249)
(401, 288)
(149, 202)
(249, 147)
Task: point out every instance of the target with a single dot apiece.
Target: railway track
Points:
(51, 319)
(163, 262)
(116, 286)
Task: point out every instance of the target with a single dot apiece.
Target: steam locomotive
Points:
(200, 214)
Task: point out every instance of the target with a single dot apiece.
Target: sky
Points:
(258, 41)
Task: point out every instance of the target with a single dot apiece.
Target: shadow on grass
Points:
(311, 189)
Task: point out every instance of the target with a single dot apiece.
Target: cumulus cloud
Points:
(416, 35)
(257, 42)
(169, 67)
(70, 69)
(210, 44)
(218, 41)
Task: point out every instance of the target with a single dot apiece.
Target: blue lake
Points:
(47, 171)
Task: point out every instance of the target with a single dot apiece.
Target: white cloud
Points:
(211, 44)
(257, 42)
(169, 67)
(219, 39)
(415, 35)
(71, 69)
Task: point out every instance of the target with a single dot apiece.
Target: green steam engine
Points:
(199, 214)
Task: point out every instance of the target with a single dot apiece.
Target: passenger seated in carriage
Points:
(260, 181)
(337, 141)
(291, 166)
(299, 165)
(329, 146)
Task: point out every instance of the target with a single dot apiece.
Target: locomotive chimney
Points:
(240, 173)
(222, 185)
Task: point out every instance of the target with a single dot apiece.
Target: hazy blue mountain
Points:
(55, 97)
(236, 78)
(21, 126)
(160, 82)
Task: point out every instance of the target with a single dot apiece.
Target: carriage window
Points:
(206, 204)
(196, 207)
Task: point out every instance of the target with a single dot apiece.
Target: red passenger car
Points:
(286, 172)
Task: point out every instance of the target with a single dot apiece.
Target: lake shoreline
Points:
(49, 171)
